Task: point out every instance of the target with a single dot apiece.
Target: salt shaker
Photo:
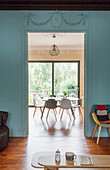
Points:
(57, 155)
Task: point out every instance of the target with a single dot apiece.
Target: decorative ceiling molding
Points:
(56, 19)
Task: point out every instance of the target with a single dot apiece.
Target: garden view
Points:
(65, 78)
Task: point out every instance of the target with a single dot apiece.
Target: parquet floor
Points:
(48, 136)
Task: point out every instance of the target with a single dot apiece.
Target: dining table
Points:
(58, 99)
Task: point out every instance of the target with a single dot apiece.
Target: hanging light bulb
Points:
(54, 51)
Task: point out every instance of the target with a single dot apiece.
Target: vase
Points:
(64, 97)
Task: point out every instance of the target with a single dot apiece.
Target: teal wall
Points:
(14, 26)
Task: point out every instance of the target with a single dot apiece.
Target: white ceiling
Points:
(64, 41)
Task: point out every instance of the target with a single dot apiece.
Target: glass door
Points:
(40, 80)
(66, 78)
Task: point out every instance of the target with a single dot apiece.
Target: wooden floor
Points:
(43, 136)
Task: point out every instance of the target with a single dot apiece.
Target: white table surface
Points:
(59, 99)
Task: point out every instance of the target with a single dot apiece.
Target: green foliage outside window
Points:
(40, 78)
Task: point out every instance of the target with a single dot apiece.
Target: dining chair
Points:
(51, 104)
(54, 96)
(78, 106)
(101, 116)
(66, 105)
(37, 106)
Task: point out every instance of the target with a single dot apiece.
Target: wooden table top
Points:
(99, 161)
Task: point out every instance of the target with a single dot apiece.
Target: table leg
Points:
(45, 168)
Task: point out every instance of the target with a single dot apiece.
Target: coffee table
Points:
(48, 161)
(99, 161)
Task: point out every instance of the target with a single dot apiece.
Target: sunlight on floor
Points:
(51, 127)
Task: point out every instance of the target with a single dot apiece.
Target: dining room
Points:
(55, 76)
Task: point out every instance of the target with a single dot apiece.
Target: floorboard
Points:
(49, 136)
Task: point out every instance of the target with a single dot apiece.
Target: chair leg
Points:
(69, 113)
(109, 131)
(56, 111)
(59, 111)
(94, 131)
(80, 112)
(34, 111)
(73, 113)
(42, 112)
(61, 115)
(55, 114)
(74, 109)
(47, 114)
(98, 134)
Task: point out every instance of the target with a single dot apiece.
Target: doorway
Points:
(69, 53)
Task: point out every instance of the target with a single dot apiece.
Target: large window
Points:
(46, 78)
(66, 78)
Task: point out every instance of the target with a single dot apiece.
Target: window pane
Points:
(39, 80)
(66, 78)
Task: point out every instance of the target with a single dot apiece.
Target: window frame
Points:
(53, 71)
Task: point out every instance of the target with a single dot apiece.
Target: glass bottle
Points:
(57, 156)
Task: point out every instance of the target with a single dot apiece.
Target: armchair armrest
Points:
(4, 116)
(1, 120)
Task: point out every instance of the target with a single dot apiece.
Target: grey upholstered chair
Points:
(51, 104)
(66, 105)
